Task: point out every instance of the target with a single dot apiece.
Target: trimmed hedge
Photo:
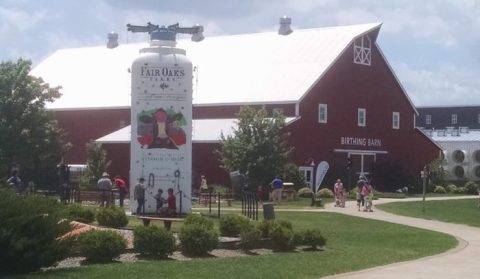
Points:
(439, 190)
(282, 236)
(197, 239)
(112, 216)
(153, 240)
(325, 193)
(76, 212)
(233, 225)
(101, 246)
(313, 238)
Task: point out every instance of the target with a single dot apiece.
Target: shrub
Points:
(251, 238)
(451, 188)
(112, 216)
(232, 225)
(439, 190)
(265, 227)
(197, 239)
(325, 193)
(193, 219)
(460, 190)
(101, 246)
(153, 240)
(313, 238)
(304, 192)
(471, 188)
(76, 212)
(29, 226)
(282, 236)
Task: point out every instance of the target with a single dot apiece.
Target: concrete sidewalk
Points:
(461, 262)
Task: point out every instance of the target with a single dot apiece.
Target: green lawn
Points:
(352, 244)
(462, 211)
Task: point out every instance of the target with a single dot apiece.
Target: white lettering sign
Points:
(360, 141)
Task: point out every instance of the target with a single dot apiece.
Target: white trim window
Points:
(428, 119)
(362, 117)
(362, 51)
(454, 118)
(396, 120)
(322, 113)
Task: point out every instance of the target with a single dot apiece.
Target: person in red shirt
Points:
(122, 188)
(171, 202)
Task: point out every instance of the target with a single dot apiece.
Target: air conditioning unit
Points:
(459, 156)
(458, 172)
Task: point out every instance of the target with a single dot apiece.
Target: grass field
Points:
(462, 211)
(352, 244)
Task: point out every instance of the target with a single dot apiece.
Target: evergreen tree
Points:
(30, 139)
(258, 147)
(97, 163)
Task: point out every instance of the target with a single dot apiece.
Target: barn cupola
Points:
(285, 27)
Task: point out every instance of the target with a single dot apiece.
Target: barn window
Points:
(454, 118)
(428, 119)
(362, 117)
(396, 120)
(322, 113)
(362, 51)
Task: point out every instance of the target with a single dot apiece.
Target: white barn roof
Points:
(251, 68)
(204, 130)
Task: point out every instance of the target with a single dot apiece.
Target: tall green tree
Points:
(258, 146)
(97, 163)
(30, 139)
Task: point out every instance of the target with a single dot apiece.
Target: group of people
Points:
(105, 185)
(171, 202)
(364, 194)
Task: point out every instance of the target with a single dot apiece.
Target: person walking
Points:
(139, 195)
(338, 191)
(104, 185)
(15, 182)
(277, 185)
(122, 188)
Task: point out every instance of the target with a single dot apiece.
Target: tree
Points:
(437, 173)
(30, 139)
(97, 163)
(258, 146)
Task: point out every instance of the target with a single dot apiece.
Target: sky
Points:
(432, 45)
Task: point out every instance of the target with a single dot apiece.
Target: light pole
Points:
(424, 174)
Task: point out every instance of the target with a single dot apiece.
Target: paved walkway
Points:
(461, 262)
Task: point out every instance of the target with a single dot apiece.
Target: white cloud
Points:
(448, 85)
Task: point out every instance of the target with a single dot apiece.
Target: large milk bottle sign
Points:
(161, 119)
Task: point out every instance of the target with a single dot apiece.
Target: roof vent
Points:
(285, 28)
(112, 40)
(464, 130)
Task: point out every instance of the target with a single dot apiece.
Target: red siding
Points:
(89, 124)
(345, 88)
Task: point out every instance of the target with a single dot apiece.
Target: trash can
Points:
(268, 211)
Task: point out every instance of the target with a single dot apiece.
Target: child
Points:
(160, 201)
(359, 195)
(171, 208)
(338, 191)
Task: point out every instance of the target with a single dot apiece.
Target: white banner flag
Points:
(322, 169)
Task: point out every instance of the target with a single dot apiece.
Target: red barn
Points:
(341, 98)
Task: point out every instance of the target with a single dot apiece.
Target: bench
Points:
(167, 221)
(92, 196)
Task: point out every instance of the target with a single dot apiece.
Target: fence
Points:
(250, 205)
